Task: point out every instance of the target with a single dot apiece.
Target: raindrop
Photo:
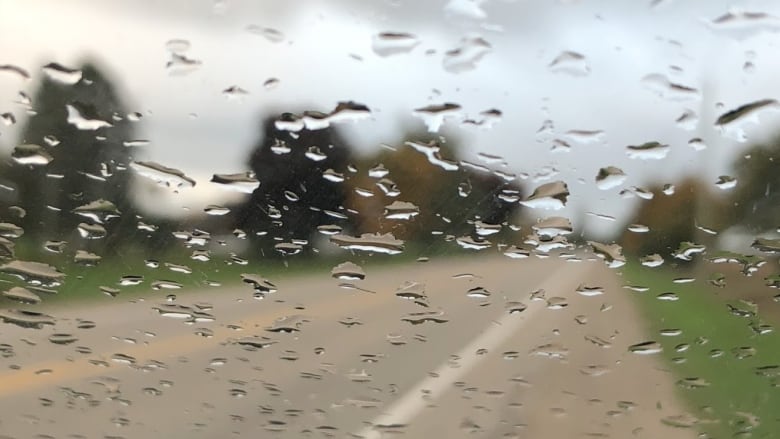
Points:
(687, 250)
(100, 211)
(380, 243)
(86, 258)
(34, 273)
(612, 254)
(348, 271)
(16, 70)
(648, 151)
(26, 319)
(646, 348)
(259, 283)
(76, 119)
(235, 92)
(177, 45)
(726, 182)
(585, 137)
(610, 177)
(417, 318)
(31, 154)
(166, 285)
(62, 339)
(393, 43)
(470, 243)
(743, 24)
(91, 231)
(270, 34)
(62, 74)
(689, 120)
(162, 175)
(732, 123)
(244, 182)
(653, 260)
(467, 55)
(589, 291)
(401, 210)
(413, 291)
(130, 280)
(548, 196)
(22, 295)
(478, 293)
(7, 119)
(666, 89)
(570, 63)
(434, 115)
(180, 64)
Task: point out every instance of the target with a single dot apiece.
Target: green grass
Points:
(739, 400)
(82, 283)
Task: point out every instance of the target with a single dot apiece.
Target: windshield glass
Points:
(373, 219)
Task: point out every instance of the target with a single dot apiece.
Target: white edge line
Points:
(406, 408)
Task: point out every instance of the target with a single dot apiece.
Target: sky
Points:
(322, 54)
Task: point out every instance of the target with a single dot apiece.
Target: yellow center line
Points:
(27, 379)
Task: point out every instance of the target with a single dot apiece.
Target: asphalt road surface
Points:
(352, 366)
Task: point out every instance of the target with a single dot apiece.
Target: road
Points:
(352, 367)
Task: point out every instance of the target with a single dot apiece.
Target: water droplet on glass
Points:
(610, 177)
(551, 196)
(726, 182)
(34, 273)
(62, 74)
(180, 64)
(648, 151)
(177, 45)
(467, 55)
(163, 175)
(417, 318)
(8, 119)
(31, 154)
(270, 34)
(589, 291)
(393, 43)
(570, 63)
(646, 348)
(401, 210)
(370, 242)
(22, 295)
(741, 24)
(666, 89)
(434, 115)
(15, 70)
(244, 182)
(732, 123)
(62, 338)
(77, 119)
(612, 254)
(653, 260)
(91, 231)
(348, 271)
(26, 319)
(687, 250)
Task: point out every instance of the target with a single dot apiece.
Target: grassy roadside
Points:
(83, 284)
(728, 370)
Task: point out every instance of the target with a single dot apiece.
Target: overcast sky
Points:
(326, 56)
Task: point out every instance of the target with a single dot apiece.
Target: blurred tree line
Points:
(72, 187)
(699, 212)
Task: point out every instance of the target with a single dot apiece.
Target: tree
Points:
(83, 128)
(673, 219)
(756, 199)
(294, 196)
(450, 197)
